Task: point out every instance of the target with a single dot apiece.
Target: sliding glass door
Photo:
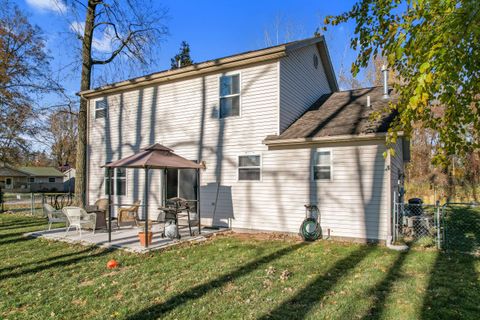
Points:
(182, 183)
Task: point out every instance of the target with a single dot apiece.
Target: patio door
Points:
(182, 183)
(9, 183)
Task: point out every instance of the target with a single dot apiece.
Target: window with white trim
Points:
(117, 180)
(100, 109)
(229, 96)
(249, 168)
(322, 167)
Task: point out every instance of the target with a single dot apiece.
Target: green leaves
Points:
(433, 47)
(424, 67)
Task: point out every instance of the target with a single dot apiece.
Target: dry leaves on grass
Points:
(285, 275)
(270, 270)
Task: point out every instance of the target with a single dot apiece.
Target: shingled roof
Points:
(342, 113)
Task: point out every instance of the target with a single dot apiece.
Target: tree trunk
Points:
(81, 167)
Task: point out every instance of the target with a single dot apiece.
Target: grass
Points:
(231, 277)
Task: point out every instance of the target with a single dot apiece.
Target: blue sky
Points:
(213, 29)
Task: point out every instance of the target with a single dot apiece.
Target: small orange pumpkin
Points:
(112, 264)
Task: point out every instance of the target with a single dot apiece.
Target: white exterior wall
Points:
(352, 204)
(46, 179)
(182, 115)
(301, 84)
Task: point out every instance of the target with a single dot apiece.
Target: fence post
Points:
(439, 225)
(394, 222)
(32, 205)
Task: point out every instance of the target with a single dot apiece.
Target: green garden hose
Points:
(310, 229)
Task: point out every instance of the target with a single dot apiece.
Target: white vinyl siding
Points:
(301, 84)
(184, 115)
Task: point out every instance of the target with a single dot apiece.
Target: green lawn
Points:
(229, 277)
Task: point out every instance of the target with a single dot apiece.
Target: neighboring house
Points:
(274, 132)
(30, 179)
(69, 180)
(12, 179)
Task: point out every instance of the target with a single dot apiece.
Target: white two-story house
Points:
(273, 131)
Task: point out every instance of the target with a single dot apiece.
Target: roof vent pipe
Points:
(385, 82)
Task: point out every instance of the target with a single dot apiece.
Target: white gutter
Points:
(316, 140)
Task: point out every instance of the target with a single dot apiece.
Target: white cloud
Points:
(48, 5)
(77, 27)
(100, 44)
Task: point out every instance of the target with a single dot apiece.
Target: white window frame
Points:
(115, 178)
(239, 94)
(250, 167)
(95, 108)
(312, 167)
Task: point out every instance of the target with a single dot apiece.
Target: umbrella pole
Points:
(198, 202)
(164, 189)
(109, 173)
(146, 207)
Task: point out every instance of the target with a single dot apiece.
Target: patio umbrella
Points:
(155, 156)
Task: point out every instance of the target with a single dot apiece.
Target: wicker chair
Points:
(78, 218)
(129, 215)
(53, 215)
(102, 204)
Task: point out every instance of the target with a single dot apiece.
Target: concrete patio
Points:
(125, 238)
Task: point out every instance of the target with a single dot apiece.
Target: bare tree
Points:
(64, 133)
(133, 28)
(24, 77)
(281, 31)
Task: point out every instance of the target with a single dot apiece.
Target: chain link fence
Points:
(450, 227)
(32, 203)
(415, 224)
(460, 228)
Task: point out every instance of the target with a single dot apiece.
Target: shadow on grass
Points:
(37, 262)
(304, 300)
(381, 291)
(78, 256)
(196, 292)
(22, 224)
(454, 289)
(16, 239)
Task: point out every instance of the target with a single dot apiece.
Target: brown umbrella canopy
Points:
(155, 156)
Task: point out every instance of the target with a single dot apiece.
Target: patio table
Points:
(101, 222)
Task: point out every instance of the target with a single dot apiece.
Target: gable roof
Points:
(41, 171)
(343, 113)
(215, 65)
(9, 171)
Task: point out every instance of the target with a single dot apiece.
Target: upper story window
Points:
(249, 168)
(322, 167)
(117, 180)
(229, 95)
(100, 109)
